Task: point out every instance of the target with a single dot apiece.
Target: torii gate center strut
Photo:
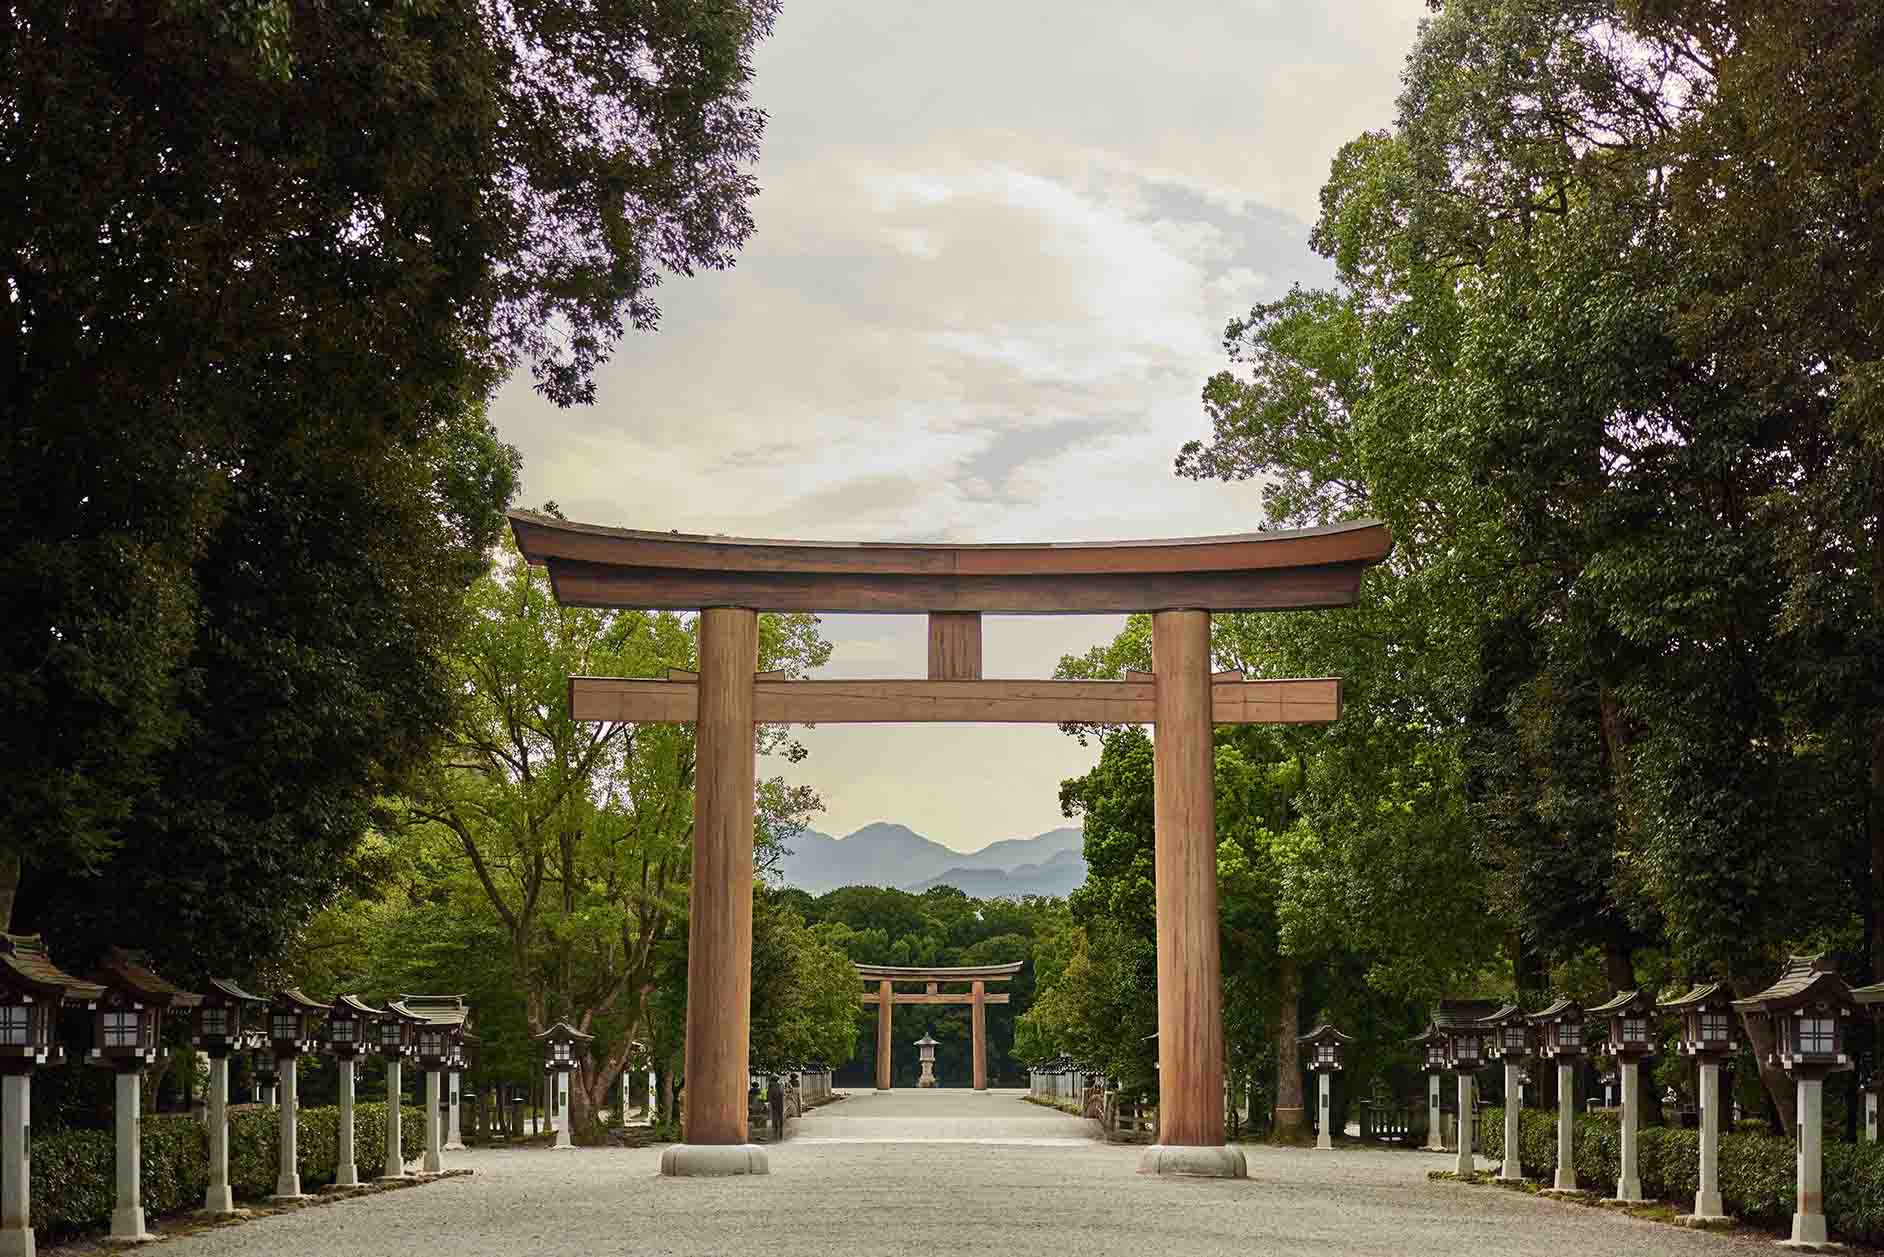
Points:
(1178, 581)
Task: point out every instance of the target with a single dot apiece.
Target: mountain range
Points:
(885, 854)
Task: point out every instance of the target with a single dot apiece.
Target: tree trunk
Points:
(1780, 1092)
(1291, 1115)
(9, 887)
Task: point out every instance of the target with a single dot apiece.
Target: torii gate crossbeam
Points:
(730, 581)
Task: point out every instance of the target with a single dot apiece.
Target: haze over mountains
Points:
(885, 854)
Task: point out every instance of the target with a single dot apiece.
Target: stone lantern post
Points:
(1807, 1007)
(398, 1040)
(1630, 1042)
(1324, 1044)
(442, 1022)
(1464, 1056)
(349, 1035)
(295, 1023)
(32, 989)
(1508, 1040)
(1432, 1045)
(1707, 1035)
(127, 1028)
(229, 1020)
(562, 1044)
(1559, 1036)
(925, 1048)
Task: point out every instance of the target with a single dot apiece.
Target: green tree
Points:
(263, 263)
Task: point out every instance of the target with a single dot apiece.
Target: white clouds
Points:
(996, 249)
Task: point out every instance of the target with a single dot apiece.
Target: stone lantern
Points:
(1558, 1035)
(396, 1033)
(562, 1044)
(1630, 1042)
(1465, 1056)
(442, 1021)
(127, 1023)
(457, 1066)
(32, 989)
(925, 1050)
(295, 1023)
(1707, 1035)
(351, 1023)
(228, 1020)
(1507, 1039)
(1432, 1045)
(1324, 1044)
(1806, 1010)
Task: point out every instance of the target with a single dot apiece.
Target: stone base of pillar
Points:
(1706, 1221)
(1808, 1231)
(1197, 1162)
(1627, 1194)
(18, 1242)
(347, 1176)
(219, 1199)
(127, 1227)
(713, 1160)
(454, 1145)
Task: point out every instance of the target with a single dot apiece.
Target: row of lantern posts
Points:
(127, 1003)
(1806, 1011)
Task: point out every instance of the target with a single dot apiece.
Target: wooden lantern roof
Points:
(1636, 1003)
(26, 967)
(1324, 1033)
(1434, 1033)
(129, 973)
(357, 1007)
(1868, 996)
(292, 997)
(449, 1011)
(563, 1032)
(1708, 996)
(1804, 980)
(1560, 1009)
(225, 992)
(595, 566)
(1504, 1015)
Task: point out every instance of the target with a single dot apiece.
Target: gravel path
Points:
(942, 1172)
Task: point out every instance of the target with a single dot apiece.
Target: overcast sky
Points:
(997, 246)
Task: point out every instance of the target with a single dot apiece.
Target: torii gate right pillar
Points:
(1190, 989)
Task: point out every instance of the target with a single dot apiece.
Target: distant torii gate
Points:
(885, 997)
(730, 580)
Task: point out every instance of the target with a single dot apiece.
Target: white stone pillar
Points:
(1435, 1138)
(1707, 1200)
(1808, 1218)
(1870, 1116)
(288, 1181)
(346, 1172)
(562, 1109)
(1566, 1127)
(217, 1198)
(16, 1195)
(1514, 1112)
(1325, 1138)
(395, 1159)
(1467, 1163)
(454, 1137)
(434, 1145)
(127, 1219)
(1629, 1180)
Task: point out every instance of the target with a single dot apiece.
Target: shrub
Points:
(74, 1172)
(1757, 1170)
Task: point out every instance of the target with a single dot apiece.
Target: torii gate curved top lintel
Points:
(886, 997)
(1180, 581)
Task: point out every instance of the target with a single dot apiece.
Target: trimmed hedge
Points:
(1757, 1183)
(74, 1172)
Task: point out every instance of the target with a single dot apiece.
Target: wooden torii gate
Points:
(886, 997)
(731, 580)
